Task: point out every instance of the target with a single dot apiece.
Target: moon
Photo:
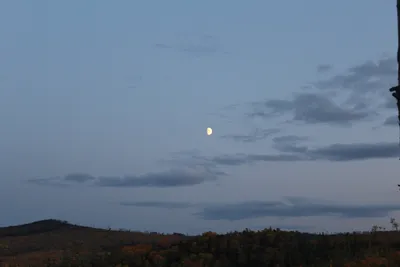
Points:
(209, 131)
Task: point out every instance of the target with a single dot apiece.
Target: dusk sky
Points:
(104, 107)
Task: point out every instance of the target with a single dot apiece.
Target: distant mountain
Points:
(35, 228)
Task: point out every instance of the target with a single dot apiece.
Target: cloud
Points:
(368, 76)
(158, 204)
(271, 107)
(62, 181)
(312, 108)
(55, 182)
(288, 207)
(357, 94)
(289, 139)
(79, 177)
(241, 159)
(172, 178)
(391, 121)
(368, 83)
(356, 151)
(323, 68)
(162, 179)
(193, 160)
(292, 151)
(289, 143)
(258, 209)
(194, 44)
(256, 135)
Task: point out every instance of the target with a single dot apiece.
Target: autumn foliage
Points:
(83, 246)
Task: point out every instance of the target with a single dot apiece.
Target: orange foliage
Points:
(137, 249)
(369, 261)
(209, 234)
(165, 242)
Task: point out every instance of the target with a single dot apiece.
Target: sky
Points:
(104, 107)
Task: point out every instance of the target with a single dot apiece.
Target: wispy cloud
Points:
(172, 178)
(337, 99)
(63, 181)
(295, 152)
(242, 158)
(56, 182)
(163, 179)
(323, 68)
(391, 121)
(293, 148)
(158, 204)
(194, 44)
(79, 177)
(312, 108)
(357, 94)
(256, 135)
(366, 84)
(355, 151)
(288, 207)
(367, 77)
(290, 143)
(292, 208)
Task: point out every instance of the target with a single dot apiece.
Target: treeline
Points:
(269, 247)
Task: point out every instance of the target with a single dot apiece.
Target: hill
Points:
(34, 242)
(59, 243)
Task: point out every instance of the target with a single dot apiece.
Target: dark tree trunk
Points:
(398, 42)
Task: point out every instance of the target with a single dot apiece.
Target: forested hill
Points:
(58, 243)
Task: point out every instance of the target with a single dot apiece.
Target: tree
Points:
(395, 225)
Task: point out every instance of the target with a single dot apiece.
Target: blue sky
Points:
(104, 107)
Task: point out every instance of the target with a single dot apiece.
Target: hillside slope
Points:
(35, 241)
(58, 244)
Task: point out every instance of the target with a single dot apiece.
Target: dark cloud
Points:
(271, 107)
(391, 121)
(367, 83)
(158, 204)
(312, 108)
(290, 143)
(315, 108)
(323, 68)
(173, 178)
(366, 77)
(62, 181)
(256, 135)
(292, 151)
(356, 151)
(162, 179)
(257, 209)
(340, 99)
(79, 177)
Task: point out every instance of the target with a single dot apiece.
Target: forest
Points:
(58, 243)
